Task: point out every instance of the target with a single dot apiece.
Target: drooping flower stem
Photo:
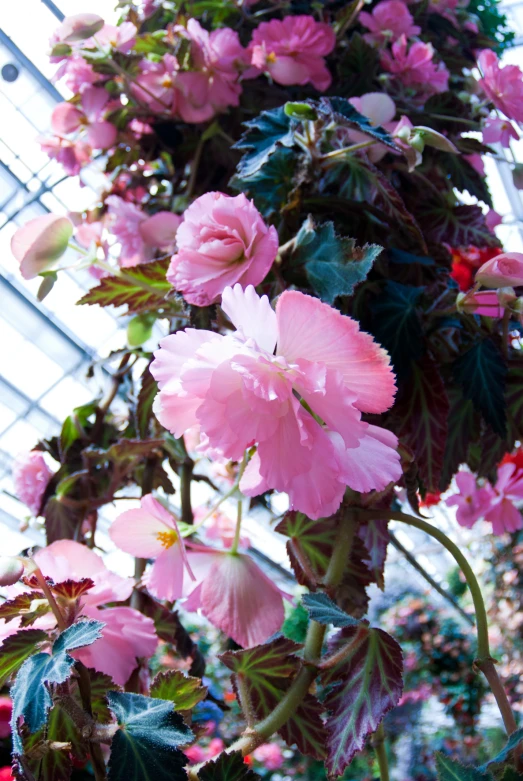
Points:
(237, 530)
(484, 661)
(378, 743)
(262, 731)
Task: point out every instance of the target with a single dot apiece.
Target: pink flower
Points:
(67, 118)
(160, 230)
(222, 240)
(127, 634)
(235, 595)
(380, 110)
(292, 50)
(502, 85)
(72, 155)
(476, 161)
(485, 303)
(78, 27)
(472, 502)
(503, 514)
(269, 755)
(137, 233)
(213, 85)
(504, 270)
(6, 709)
(414, 67)
(388, 21)
(493, 219)
(11, 570)
(499, 131)
(39, 243)
(77, 73)
(30, 478)
(151, 532)
(220, 527)
(121, 37)
(258, 385)
(154, 86)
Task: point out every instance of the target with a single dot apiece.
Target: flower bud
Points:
(437, 140)
(11, 570)
(39, 243)
(79, 27)
(300, 111)
(417, 141)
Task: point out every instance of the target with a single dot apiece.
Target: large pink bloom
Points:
(222, 240)
(212, 84)
(292, 50)
(30, 478)
(127, 635)
(151, 532)
(259, 385)
(388, 21)
(472, 502)
(504, 270)
(504, 86)
(235, 595)
(415, 67)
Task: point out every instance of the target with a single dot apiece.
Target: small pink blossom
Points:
(154, 85)
(72, 155)
(244, 389)
(127, 634)
(472, 502)
(503, 514)
(151, 532)
(269, 755)
(389, 20)
(504, 270)
(221, 241)
(76, 73)
(78, 27)
(292, 50)
(485, 303)
(160, 230)
(502, 85)
(499, 131)
(235, 595)
(220, 528)
(415, 67)
(68, 118)
(31, 476)
(124, 222)
(121, 37)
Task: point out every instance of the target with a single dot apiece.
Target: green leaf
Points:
(77, 636)
(323, 610)
(421, 412)
(334, 264)
(300, 111)
(55, 765)
(146, 747)
(481, 372)
(365, 686)
(144, 407)
(459, 226)
(268, 131)
(228, 767)
(61, 521)
(399, 256)
(341, 111)
(140, 288)
(16, 649)
(267, 671)
(309, 540)
(184, 691)
(450, 770)
(508, 749)
(463, 176)
(29, 606)
(358, 67)
(375, 537)
(73, 425)
(140, 328)
(271, 185)
(396, 324)
(463, 426)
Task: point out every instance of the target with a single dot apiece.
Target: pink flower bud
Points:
(39, 243)
(11, 570)
(79, 27)
(502, 271)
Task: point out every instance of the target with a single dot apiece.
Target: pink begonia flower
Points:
(127, 634)
(292, 50)
(11, 570)
(476, 161)
(67, 118)
(39, 243)
(139, 234)
(235, 595)
(493, 219)
(72, 155)
(388, 21)
(269, 755)
(222, 240)
(219, 527)
(485, 303)
(472, 502)
(380, 110)
(160, 229)
(121, 37)
(31, 476)
(504, 270)
(499, 131)
(415, 67)
(151, 532)
(154, 85)
(502, 85)
(242, 392)
(503, 514)
(77, 73)
(218, 59)
(78, 27)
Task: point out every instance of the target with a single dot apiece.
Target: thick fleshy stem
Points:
(60, 620)
(262, 731)
(378, 744)
(484, 662)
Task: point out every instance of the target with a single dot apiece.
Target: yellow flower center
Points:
(167, 82)
(167, 539)
(271, 57)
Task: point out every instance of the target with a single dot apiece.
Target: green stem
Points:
(84, 687)
(347, 150)
(60, 620)
(226, 495)
(283, 711)
(378, 743)
(237, 531)
(484, 662)
(186, 470)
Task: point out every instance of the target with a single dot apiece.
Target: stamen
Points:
(167, 539)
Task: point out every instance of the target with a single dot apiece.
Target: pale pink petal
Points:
(102, 135)
(335, 406)
(39, 243)
(252, 315)
(65, 119)
(160, 229)
(374, 463)
(165, 578)
(504, 517)
(313, 331)
(136, 532)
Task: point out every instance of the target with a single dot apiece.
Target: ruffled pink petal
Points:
(335, 406)
(313, 331)
(160, 229)
(102, 135)
(284, 455)
(175, 350)
(252, 315)
(374, 463)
